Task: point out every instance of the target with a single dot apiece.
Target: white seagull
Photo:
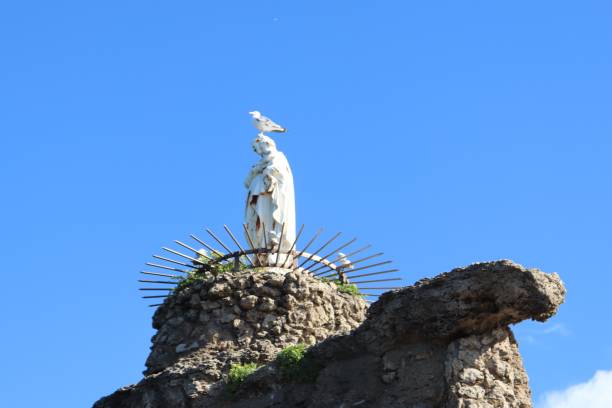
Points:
(265, 124)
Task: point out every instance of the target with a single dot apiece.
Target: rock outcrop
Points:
(443, 342)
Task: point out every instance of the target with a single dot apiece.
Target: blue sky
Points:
(444, 133)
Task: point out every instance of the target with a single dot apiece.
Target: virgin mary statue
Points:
(270, 205)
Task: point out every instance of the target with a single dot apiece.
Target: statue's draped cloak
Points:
(271, 202)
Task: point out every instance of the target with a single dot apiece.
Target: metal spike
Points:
(157, 304)
(193, 249)
(318, 250)
(375, 273)
(280, 242)
(344, 270)
(156, 296)
(246, 231)
(293, 246)
(237, 243)
(218, 240)
(156, 289)
(341, 247)
(377, 280)
(366, 267)
(388, 288)
(173, 261)
(347, 271)
(160, 274)
(183, 255)
(309, 243)
(153, 281)
(165, 267)
(211, 249)
(339, 259)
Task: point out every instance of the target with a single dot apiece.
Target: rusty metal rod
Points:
(319, 250)
(153, 281)
(367, 267)
(184, 256)
(229, 232)
(212, 234)
(173, 261)
(375, 273)
(346, 271)
(387, 288)
(378, 280)
(193, 249)
(340, 258)
(211, 249)
(156, 289)
(280, 242)
(293, 245)
(165, 267)
(334, 251)
(309, 243)
(160, 274)
(246, 231)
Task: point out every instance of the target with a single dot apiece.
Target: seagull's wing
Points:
(269, 122)
(266, 124)
(274, 127)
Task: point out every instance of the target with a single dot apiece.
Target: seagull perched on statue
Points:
(265, 124)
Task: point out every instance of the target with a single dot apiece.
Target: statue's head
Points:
(263, 145)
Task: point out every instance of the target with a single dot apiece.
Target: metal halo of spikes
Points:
(332, 266)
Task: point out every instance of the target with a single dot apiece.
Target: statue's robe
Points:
(271, 204)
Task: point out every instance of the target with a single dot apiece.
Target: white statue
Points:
(270, 202)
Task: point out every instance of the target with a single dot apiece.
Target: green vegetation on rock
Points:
(348, 288)
(295, 366)
(344, 287)
(205, 269)
(184, 281)
(237, 374)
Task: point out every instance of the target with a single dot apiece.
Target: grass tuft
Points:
(237, 374)
(295, 366)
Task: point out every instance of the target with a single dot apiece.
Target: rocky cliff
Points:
(443, 342)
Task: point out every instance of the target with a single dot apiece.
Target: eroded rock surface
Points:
(443, 342)
(240, 317)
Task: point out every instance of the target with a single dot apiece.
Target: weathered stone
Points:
(248, 302)
(443, 342)
(267, 292)
(219, 290)
(210, 305)
(267, 305)
(195, 299)
(276, 280)
(224, 321)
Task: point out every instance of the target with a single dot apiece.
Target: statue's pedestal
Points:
(247, 316)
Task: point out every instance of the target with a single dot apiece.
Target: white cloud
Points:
(534, 332)
(557, 328)
(595, 393)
